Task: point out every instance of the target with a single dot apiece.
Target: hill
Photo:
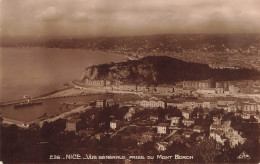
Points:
(164, 70)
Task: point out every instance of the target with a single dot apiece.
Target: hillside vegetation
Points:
(163, 70)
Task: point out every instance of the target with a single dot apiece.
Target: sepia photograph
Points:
(129, 81)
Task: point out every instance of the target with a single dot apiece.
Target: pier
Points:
(15, 122)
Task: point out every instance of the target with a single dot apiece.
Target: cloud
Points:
(49, 14)
(128, 17)
(80, 17)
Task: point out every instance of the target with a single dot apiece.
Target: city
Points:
(137, 121)
(129, 82)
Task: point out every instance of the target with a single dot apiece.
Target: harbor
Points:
(21, 112)
(54, 106)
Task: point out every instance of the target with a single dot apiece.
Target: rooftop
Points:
(188, 133)
(165, 124)
(215, 126)
(197, 127)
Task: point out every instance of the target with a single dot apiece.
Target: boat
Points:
(28, 103)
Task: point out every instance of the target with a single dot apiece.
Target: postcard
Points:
(131, 82)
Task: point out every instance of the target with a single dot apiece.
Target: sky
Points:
(36, 18)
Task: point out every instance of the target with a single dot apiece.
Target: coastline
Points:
(66, 92)
(39, 97)
(59, 93)
(77, 89)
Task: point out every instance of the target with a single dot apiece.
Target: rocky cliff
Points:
(163, 70)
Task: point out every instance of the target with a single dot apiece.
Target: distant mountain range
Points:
(145, 44)
(164, 70)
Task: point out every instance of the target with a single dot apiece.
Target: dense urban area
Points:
(217, 50)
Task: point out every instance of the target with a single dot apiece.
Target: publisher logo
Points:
(243, 155)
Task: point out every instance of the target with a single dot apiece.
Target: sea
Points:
(34, 71)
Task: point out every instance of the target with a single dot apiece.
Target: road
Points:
(171, 134)
(121, 130)
(63, 115)
(128, 127)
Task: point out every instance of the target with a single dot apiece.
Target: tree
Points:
(252, 119)
(148, 148)
(207, 149)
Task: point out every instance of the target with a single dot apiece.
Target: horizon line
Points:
(119, 36)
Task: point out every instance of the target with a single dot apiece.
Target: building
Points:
(218, 136)
(198, 129)
(225, 107)
(186, 114)
(99, 136)
(257, 117)
(208, 91)
(219, 84)
(188, 134)
(213, 105)
(115, 124)
(215, 127)
(245, 116)
(162, 128)
(164, 89)
(111, 102)
(222, 132)
(188, 122)
(190, 104)
(221, 102)
(105, 103)
(226, 126)
(232, 108)
(101, 103)
(161, 146)
(153, 102)
(197, 84)
(181, 91)
(219, 91)
(129, 114)
(178, 105)
(236, 139)
(217, 119)
(97, 83)
(206, 105)
(142, 88)
(71, 125)
(246, 90)
(175, 121)
(154, 118)
(147, 136)
(151, 89)
(233, 90)
(250, 107)
(127, 87)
